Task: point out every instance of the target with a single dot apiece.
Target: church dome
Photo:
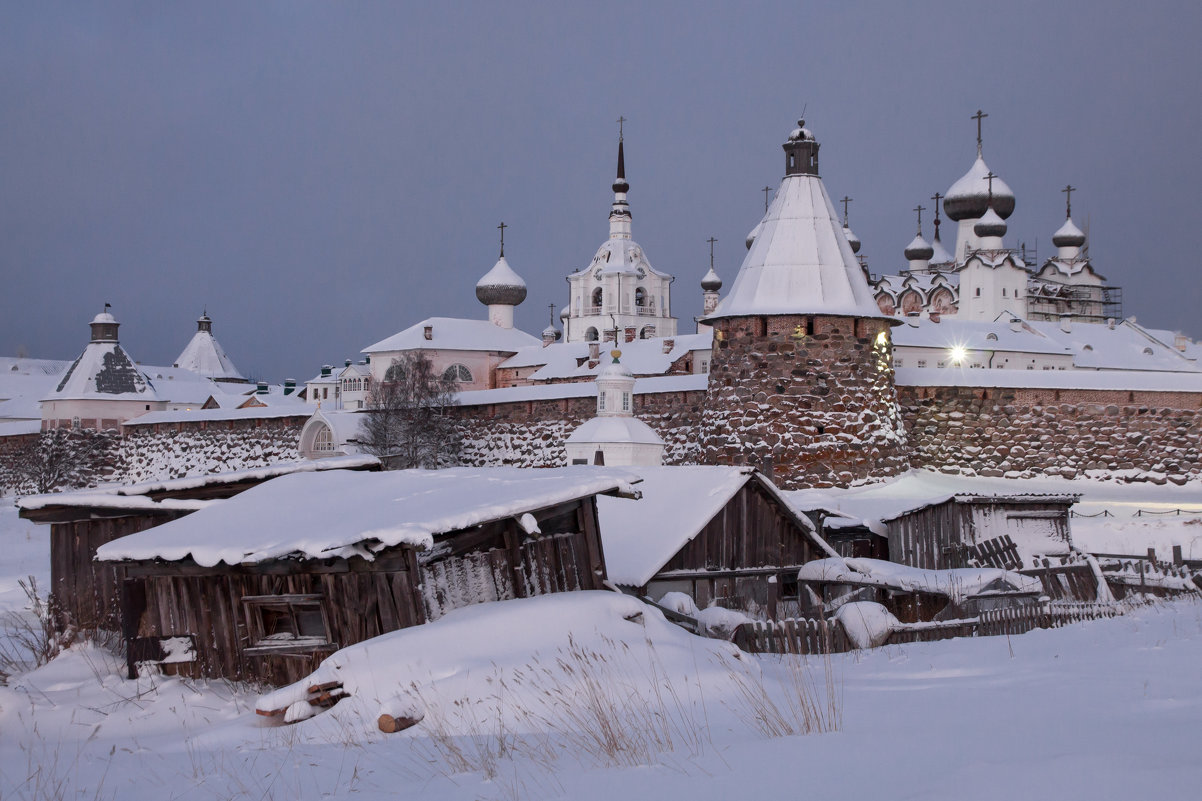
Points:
(753, 233)
(990, 224)
(711, 282)
(501, 286)
(919, 250)
(1068, 235)
(852, 240)
(565, 313)
(103, 317)
(968, 198)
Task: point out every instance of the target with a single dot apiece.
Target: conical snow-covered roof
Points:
(501, 285)
(204, 355)
(968, 198)
(103, 370)
(800, 261)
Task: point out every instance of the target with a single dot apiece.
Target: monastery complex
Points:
(971, 359)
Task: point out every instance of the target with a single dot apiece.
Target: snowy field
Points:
(565, 697)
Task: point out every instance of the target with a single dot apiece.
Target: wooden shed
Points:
(86, 593)
(721, 535)
(265, 585)
(1004, 531)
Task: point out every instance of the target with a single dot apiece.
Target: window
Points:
(600, 401)
(590, 335)
(395, 372)
(640, 297)
(284, 623)
(978, 292)
(625, 401)
(597, 297)
(457, 372)
(323, 441)
(922, 362)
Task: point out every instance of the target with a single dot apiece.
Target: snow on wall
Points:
(174, 451)
(1023, 432)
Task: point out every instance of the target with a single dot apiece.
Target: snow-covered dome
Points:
(501, 286)
(919, 249)
(104, 317)
(551, 333)
(1068, 235)
(852, 239)
(565, 313)
(968, 198)
(990, 224)
(710, 282)
(615, 431)
(753, 233)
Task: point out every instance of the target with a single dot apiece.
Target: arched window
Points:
(647, 332)
(457, 372)
(323, 441)
(591, 334)
(395, 372)
(640, 297)
(597, 297)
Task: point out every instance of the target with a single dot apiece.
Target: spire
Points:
(1068, 200)
(852, 239)
(990, 224)
(711, 283)
(619, 215)
(502, 228)
(937, 197)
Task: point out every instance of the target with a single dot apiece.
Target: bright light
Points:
(882, 339)
(958, 354)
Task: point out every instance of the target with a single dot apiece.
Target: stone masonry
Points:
(807, 399)
(1025, 432)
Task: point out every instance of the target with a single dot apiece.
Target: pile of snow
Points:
(957, 584)
(515, 664)
(866, 624)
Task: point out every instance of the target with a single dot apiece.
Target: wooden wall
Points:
(934, 538)
(731, 560)
(361, 599)
(86, 593)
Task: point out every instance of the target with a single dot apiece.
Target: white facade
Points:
(615, 436)
(619, 288)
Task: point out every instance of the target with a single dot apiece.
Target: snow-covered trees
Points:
(408, 422)
(60, 459)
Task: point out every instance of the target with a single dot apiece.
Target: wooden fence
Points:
(813, 636)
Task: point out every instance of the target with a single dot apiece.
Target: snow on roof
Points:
(177, 385)
(615, 429)
(19, 427)
(1048, 379)
(640, 536)
(197, 482)
(344, 424)
(969, 196)
(956, 584)
(102, 500)
(644, 357)
(874, 504)
(103, 372)
(580, 389)
(620, 255)
(454, 333)
(341, 513)
(204, 356)
(949, 332)
(1124, 347)
(800, 261)
(211, 415)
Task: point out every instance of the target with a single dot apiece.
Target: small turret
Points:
(104, 326)
(500, 289)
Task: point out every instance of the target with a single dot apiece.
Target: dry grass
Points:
(28, 638)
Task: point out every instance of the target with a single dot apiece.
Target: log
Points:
(390, 724)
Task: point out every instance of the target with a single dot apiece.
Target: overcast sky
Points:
(320, 176)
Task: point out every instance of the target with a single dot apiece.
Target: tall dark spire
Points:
(620, 184)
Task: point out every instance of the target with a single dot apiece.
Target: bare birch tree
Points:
(408, 422)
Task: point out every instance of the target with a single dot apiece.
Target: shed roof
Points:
(339, 513)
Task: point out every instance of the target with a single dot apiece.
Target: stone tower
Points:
(801, 376)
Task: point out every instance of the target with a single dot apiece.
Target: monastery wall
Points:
(532, 433)
(173, 450)
(1000, 432)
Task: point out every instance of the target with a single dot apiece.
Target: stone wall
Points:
(173, 450)
(1154, 436)
(532, 433)
(809, 400)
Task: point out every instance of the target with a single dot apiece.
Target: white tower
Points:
(619, 289)
(615, 436)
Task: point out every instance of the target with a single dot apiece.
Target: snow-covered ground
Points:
(1106, 709)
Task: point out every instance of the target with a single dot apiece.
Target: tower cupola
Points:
(104, 326)
(801, 151)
